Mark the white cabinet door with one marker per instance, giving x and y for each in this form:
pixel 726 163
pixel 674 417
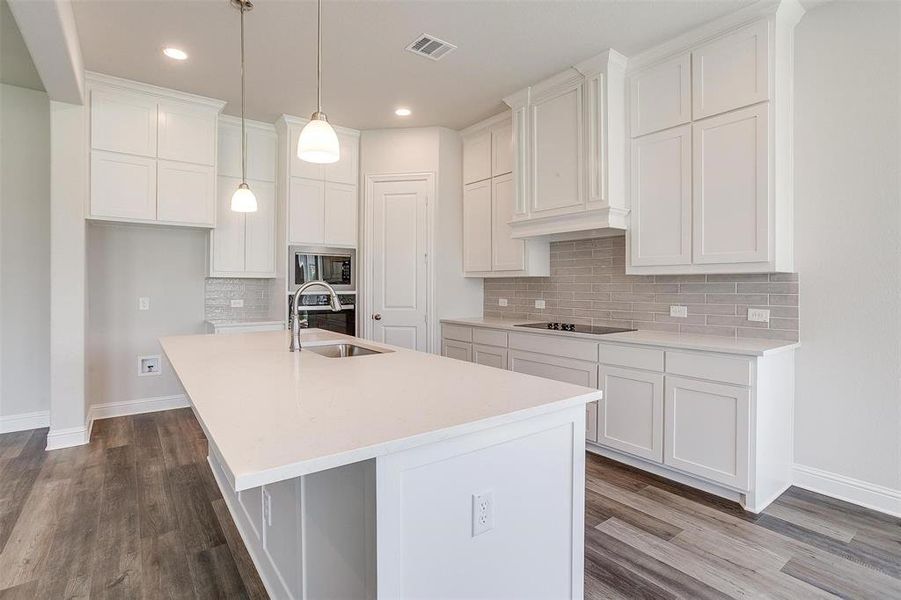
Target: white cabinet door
pixel 491 356
pixel 732 71
pixel 708 430
pixel 123 185
pixel 228 236
pixel 477 157
pixel 630 416
pixel 262 148
pixel 259 232
pixel 228 162
pixel 282 539
pixel 477 226
pixel 660 232
pixel 591 421
pixel 122 122
pixel 340 214
pixel 346 169
pixel 568 370
pixel 302 168
pixel 508 253
pixel 731 196
pixel 557 152
pixel 660 96
pixel 306 211
pixel 455 349
pixel 502 149
pixel 187 133
pixel 186 193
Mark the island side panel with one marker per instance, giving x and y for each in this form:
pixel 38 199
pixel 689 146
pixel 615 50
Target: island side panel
pixel 533 474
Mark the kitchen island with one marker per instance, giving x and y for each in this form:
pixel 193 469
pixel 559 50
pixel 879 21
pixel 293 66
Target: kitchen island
pixel 395 474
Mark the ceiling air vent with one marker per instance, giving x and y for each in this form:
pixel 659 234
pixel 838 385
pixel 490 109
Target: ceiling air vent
pixel 430 47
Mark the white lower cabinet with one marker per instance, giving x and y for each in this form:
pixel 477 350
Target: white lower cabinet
pixel 630 415
pixel 707 430
pixel 455 349
pixel 591 421
pixel 282 532
pixel 569 370
pixel 490 356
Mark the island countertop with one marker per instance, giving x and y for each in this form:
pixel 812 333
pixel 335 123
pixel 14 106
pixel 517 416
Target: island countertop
pixel 272 415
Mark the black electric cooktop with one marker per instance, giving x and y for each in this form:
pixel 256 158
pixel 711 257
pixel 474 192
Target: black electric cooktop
pixel 592 329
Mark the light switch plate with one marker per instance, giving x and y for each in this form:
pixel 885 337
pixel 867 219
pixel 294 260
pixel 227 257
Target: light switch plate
pixel 239 303
pixel 759 315
pixel 678 311
pixel 144 303
pixel 539 304
pixel 502 302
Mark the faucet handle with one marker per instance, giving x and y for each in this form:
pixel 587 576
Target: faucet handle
pixel 303 323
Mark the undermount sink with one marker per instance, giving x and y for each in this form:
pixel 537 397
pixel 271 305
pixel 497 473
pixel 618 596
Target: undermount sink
pixel 342 350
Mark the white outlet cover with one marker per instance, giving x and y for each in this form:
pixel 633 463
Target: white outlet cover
pixel 482 512
pixel 678 311
pixel 149 365
pixel 502 302
pixel 239 303
pixel 144 303
pixel 539 304
pixel 759 315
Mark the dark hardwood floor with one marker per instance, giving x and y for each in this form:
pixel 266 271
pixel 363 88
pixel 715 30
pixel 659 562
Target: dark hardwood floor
pixel 136 513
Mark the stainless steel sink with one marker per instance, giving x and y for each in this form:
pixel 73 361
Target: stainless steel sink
pixel 342 350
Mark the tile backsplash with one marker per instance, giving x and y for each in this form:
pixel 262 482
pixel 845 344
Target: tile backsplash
pixel 221 291
pixel 589 285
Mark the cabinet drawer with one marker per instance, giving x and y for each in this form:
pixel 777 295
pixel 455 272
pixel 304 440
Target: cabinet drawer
pixel 649 359
pixel 567 370
pixel 555 346
pixel 459 350
pixel 489 337
pixel 457 332
pixel 714 368
pixel 490 356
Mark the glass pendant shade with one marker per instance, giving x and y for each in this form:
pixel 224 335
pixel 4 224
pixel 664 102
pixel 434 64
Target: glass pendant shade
pixel 318 142
pixel 243 199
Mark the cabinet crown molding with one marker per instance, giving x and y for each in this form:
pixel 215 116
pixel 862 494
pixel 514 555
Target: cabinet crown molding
pixel 485 123
pixel 288 121
pixel 601 63
pixel 94 79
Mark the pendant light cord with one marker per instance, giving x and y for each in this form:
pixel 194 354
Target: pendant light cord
pixel 319 56
pixel 243 132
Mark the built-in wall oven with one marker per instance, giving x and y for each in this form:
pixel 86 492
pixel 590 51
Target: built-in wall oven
pixel 315 309
pixel 335 266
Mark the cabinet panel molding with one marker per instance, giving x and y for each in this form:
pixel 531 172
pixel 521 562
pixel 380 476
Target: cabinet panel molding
pixel 477 226
pixel 123 186
pixel 186 193
pixel 630 415
pixel 123 122
pixel 660 96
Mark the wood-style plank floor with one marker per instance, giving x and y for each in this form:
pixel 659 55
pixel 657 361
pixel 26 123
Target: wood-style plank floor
pixel 136 513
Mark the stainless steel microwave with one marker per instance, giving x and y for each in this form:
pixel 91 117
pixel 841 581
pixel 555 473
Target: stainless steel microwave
pixel 335 266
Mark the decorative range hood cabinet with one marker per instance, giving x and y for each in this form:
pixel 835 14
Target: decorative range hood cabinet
pixel 569 152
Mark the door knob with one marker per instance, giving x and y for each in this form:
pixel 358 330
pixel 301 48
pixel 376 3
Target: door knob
pixel 377 317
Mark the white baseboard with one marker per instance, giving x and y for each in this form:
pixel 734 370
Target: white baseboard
pixel 855 491
pixel 24 421
pixel 68 437
pixel 137 407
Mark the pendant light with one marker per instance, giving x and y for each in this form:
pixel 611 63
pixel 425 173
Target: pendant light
pixel 243 199
pixel 318 142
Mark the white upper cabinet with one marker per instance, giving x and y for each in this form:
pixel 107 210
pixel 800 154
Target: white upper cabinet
pixel 243 244
pixel 661 198
pixel 568 152
pixel 731 212
pixel 477 156
pixel 732 71
pixel 489 248
pixel 660 96
pixel 726 206
pixel 322 200
pixel 187 133
pixel 152 153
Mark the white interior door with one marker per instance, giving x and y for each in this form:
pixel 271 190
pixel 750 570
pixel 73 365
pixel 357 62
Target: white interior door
pixel 398 243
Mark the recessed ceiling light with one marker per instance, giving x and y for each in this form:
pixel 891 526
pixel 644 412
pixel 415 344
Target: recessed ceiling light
pixel 175 53
pixel 403 112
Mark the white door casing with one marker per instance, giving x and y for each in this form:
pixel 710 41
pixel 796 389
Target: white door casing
pixel 397 249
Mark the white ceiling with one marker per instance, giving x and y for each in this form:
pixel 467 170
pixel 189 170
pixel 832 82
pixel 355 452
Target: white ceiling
pixel 503 46
pixel 16 67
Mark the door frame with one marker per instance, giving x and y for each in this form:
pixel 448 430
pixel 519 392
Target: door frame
pixel 364 299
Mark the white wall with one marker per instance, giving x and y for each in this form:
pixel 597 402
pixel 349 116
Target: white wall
pixel 848 240
pixel 168 265
pixel 24 251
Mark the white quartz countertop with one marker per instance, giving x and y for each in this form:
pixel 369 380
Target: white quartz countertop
pixel 271 414
pixel 646 337
pixel 244 322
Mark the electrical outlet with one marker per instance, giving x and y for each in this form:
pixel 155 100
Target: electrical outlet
pixel 760 315
pixel 148 365
pixel 678 311
pixel 267 507
pixel 502 302
pixel 482 512
pixel 144 303
pixel 539 304
pixel 239 303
